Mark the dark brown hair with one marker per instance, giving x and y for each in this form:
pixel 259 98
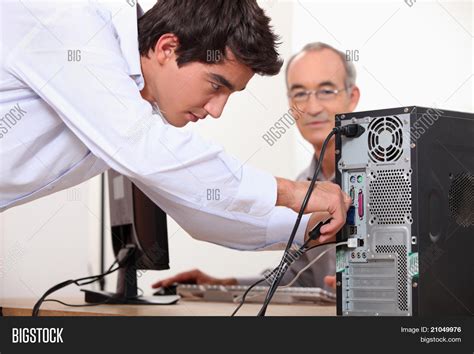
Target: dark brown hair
pixel 205 28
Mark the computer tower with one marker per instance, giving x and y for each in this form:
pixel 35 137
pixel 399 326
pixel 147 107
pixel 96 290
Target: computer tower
pixel 411 177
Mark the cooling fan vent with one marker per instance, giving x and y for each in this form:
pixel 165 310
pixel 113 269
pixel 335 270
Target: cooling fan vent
pixel 385 139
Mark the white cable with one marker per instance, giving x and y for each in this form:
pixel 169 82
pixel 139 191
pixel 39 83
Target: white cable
pixel 312 262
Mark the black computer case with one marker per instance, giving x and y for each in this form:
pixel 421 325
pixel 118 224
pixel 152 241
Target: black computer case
pixel 413 213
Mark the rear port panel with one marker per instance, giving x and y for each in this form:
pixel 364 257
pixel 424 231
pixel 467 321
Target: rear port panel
pixel 355 184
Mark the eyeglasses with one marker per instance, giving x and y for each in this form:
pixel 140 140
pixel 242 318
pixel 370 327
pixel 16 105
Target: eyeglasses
pixel 302 96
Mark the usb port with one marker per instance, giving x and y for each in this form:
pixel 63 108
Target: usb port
pixel 352 230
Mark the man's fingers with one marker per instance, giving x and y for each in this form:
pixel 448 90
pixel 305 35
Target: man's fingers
pixel 157 284
pixel 184 277
pixel 165 282
pixel 347 200
pixel 330 280
pixel 327 238
pixel 336 202
pixel 336 223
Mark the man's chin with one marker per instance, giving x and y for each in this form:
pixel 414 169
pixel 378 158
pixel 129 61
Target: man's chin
pixel 176 122
pixel 181 124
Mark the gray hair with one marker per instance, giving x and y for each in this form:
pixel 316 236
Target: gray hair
pixel 349 66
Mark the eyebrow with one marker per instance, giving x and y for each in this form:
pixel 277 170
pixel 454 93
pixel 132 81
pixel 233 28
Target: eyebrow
pixel 324 83
pixel 223 81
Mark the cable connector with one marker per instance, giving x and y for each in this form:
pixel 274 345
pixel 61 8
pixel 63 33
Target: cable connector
pixel 352 130
pixel 316 231
pixel 352 242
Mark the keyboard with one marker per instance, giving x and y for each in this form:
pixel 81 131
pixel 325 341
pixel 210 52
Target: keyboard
pixel 234 293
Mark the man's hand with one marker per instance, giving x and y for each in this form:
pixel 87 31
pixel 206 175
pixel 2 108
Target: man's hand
pixel 326 197
pixel 330 280
pixel 315 219
pixel 194 276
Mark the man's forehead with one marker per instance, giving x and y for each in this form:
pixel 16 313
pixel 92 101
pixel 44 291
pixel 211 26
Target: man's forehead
pixel 316 67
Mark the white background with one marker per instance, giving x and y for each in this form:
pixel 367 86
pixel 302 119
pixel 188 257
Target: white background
pixel 408 55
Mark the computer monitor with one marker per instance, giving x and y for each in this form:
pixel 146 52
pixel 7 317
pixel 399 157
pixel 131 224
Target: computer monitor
pixel 139 226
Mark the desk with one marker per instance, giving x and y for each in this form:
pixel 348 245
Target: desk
pixel 22 307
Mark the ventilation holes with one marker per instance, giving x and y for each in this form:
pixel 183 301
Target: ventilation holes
pixel 390 198
pixel 402 279
pixel 461 199
pixel 385 139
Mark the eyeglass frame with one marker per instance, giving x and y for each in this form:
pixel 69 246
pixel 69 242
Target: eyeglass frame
pixel 316 92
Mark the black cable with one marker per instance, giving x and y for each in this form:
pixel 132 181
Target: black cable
pixel 244 296
pixel 94 304
pixel 351 131
pixel 77 305
pixel 282 273
pixel 302 248
pixel 277 280
pixel 78 282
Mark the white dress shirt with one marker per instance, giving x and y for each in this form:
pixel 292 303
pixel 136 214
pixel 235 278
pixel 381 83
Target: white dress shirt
pixel 70 104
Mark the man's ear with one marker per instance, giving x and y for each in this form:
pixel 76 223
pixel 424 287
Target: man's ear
pixel 355 96
pixel 165 48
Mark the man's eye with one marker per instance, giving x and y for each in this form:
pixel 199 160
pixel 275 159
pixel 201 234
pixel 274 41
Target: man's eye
pixel 300 94
pixel 215 86
pixel 326 92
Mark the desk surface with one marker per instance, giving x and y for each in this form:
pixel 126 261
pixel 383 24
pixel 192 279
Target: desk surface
pixel 22 307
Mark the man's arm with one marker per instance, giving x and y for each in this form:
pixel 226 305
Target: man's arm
pixel 102 106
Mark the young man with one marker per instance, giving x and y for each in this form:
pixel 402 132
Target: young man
pixel 320 84
pixel 81 94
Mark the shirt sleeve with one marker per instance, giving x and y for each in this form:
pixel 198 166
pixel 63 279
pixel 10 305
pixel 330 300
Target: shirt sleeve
pixel 209 193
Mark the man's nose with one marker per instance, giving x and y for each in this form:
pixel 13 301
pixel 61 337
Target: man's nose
pixel 215 106
pixel 313 106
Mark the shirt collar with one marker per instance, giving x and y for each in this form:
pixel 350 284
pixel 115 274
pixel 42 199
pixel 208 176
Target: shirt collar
pixel 125 20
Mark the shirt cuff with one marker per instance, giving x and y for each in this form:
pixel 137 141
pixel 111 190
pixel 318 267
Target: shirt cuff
pixel 281 224
pixel 257 193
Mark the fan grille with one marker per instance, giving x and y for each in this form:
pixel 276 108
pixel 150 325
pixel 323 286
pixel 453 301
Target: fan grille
pixel 385 139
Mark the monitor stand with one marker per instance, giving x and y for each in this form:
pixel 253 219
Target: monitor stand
pixel 127 291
